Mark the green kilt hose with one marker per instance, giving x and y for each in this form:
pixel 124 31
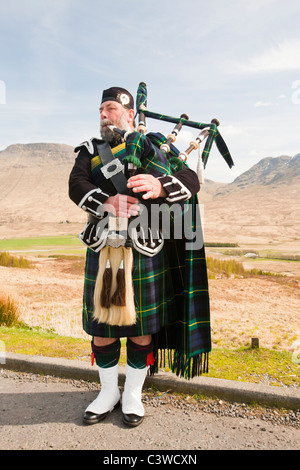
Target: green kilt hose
pixel 170 288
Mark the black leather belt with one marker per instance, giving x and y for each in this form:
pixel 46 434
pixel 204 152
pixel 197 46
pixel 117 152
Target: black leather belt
pixel 112 168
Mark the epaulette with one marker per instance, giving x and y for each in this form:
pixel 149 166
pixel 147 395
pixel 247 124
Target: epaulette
pixel 89 145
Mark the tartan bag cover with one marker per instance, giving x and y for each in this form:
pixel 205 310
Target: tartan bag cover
pixel 171 288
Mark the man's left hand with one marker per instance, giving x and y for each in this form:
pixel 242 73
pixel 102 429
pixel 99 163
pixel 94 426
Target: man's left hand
pixel 148 184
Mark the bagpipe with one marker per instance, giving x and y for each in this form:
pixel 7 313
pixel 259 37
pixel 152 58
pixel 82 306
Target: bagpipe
pixel 207 131
pixel 113 295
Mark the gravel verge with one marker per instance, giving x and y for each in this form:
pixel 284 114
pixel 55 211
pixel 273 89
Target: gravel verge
pixel 186 403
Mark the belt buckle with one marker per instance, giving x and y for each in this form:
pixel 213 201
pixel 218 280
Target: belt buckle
pixel 112 168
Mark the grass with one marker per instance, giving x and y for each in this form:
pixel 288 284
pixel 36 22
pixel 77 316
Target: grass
pixel 232 267
pixel 10 261
pixel 242 364
pixel 262 255
pixel 34 341
pixel 27 243
pixel 252 365
pixel 225 267
pixel 9 314
pixel 64 244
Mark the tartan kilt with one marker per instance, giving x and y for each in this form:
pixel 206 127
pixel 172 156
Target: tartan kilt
pixel 172 304
pixel 153 291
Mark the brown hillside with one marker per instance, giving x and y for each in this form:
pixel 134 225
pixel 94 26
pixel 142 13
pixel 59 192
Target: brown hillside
pixel 261 206
pixel 34 190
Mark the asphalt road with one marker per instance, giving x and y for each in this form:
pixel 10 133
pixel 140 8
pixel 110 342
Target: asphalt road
pixel 41 414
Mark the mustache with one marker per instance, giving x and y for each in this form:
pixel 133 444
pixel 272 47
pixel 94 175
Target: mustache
pixel 106 122
pixel 108 134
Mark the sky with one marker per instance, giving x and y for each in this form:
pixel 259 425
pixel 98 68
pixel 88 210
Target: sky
pixel 235 60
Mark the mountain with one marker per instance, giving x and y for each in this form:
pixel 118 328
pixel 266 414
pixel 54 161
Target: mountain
pixel 268 172
pixel 262 204
pixel 39 154
pixel 34 189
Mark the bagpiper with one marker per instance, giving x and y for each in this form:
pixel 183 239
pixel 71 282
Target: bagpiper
pixel 142 282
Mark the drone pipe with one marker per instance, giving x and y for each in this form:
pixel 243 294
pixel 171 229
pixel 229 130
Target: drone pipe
pixel 184 122
pixel 141 128
pixel 194 144
pixel 165 147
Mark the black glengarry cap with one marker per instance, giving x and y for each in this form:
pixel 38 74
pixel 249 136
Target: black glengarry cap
pixel 120 95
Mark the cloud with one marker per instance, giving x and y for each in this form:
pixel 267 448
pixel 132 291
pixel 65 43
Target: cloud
pixel 258 104
pixel 282 57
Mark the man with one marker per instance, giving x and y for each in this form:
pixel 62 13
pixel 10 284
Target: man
pixel 154 287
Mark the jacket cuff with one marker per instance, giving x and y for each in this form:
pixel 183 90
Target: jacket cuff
pixel 92 202
pixel 175 189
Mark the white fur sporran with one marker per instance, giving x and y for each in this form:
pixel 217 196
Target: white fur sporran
pixel 113 294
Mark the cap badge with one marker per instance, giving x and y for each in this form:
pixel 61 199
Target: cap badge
pixel 124 99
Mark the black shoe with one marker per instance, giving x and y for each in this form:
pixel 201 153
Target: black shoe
pixel 92 418
pixel 132 420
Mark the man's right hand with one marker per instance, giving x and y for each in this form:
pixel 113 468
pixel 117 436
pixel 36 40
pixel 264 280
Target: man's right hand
pixel 121 205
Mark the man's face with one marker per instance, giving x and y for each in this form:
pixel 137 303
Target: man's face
pixel 113 113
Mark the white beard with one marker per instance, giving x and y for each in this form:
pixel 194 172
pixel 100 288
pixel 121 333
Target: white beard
pixel 109 135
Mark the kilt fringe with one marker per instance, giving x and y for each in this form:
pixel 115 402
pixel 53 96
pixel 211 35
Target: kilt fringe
pixel 180 364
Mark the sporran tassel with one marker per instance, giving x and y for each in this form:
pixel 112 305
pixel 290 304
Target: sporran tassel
pixel 115 261
pixel 114 294
pixel 119 296
pixel 106 288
